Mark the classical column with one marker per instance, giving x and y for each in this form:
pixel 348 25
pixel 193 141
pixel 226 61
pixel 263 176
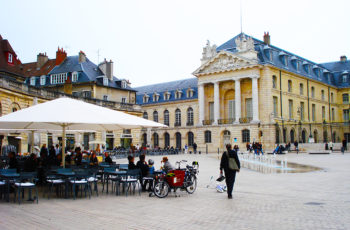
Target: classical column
pixel 216 102
pixel 255 99
pixel 201 103
pixel 237 100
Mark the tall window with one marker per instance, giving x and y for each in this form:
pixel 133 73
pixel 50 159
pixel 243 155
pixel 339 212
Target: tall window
pixel 345 77
pixel 290 86
pixel 312 92
pixel 166 117
pixel 123 100
pixel 42 80
pixel 74 77
pixel 332 98
pixel 345 98
pixel 190 93
pixel 290 102
pixel 231 109
pixel 322 95
pixel 323 113
pixel 155 139
pixel 274 82
pixel 58 78
pixel 275 106
pixel 245 135
pixel 190 116
pixel 10 58
pixel 145 115
pixel 211 110
pixel 32 81
pixel 346 115
pixel 190 139
pixel 178 94
pixel 249 107
pixel 105 81
pixel 155 116
pixel 167 96
pixel 105 97
pixel 333 114
pixel 155 97
pixel 313 112
pixel 166 140
pixel 301 89
pixel 145 98
pixel 207 136
pixel 177 117
pixel 87 94
pixel 302 111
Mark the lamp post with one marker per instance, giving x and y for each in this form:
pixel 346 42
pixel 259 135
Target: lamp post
pixel 299 112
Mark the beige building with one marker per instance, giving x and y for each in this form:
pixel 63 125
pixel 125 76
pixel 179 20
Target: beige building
pixel 247 90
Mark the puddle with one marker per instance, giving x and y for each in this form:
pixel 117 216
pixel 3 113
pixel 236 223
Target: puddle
pixel 266 164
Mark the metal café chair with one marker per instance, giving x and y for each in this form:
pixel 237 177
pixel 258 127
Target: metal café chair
pixel 26 180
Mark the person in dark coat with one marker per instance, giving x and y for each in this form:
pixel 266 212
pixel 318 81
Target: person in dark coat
pixel 108 158
pixel 131 160
pixel 229 173
pixel 78 156
pixel 31 163
pixel 142 165
pixel 13 163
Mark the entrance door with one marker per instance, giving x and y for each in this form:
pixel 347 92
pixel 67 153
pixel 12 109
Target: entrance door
pixel 178 140
pixel 227 138
pixel 303 136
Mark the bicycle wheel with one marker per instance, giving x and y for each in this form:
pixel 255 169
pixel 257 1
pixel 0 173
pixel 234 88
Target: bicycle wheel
pixel 192 184
pixel 161 189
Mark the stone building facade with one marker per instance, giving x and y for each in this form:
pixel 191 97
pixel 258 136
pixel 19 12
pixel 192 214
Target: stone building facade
pixel 247 90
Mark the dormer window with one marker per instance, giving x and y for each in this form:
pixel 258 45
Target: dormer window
pixel 284 58
pixel 190 93
pixel 268 52
pixel 306 67
pixel 123 84
pixel 178 94
pixel 42 80
pixel 145 98
pixel 155 97
pixel 105 81
pixel 74 77
pixel 345 76
pixel 296 63
pixel 32 81
pixel 167 96
pixel 10 58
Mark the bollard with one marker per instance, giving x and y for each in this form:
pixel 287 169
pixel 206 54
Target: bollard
pixel 206 149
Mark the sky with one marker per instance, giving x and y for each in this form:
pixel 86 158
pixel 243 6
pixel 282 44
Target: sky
pixel 153 41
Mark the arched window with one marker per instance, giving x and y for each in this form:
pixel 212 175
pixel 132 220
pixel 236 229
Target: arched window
pixel 207 136
pixel 292 133
pixel 166 140
pixel 332 97
pixel 322 95
pixel 274 82
pixel 290 86
pixel 325 136
pixel 178 140
pixel 301 89
pixel 166 117
pixel 145 115
pixel 155 116
pixel 144 139
pixel 189 116
pixel 245 135
pixel 177 117
pixel 190 138
pixel 155 140
pixel 313 92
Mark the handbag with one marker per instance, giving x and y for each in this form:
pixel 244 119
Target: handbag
pixel 232 164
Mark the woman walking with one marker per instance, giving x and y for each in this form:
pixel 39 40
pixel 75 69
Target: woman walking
pixel 230 164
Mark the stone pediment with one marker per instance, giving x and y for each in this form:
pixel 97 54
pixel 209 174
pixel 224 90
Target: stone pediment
pixel 224 61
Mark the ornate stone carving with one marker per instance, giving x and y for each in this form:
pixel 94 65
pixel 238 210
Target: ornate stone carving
pixel 244 43
pixel 208 52
pixel 225 62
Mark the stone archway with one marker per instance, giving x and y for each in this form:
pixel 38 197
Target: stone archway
pixel 178 140
pixel 226 138
pixel 303 136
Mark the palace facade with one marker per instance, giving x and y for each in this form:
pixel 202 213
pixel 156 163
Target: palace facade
pixel 249 90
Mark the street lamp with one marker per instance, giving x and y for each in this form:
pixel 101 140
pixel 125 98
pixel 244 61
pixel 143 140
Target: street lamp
pixel 299 112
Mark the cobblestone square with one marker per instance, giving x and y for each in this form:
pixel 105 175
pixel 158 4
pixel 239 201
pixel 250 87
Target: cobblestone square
pixel 314 200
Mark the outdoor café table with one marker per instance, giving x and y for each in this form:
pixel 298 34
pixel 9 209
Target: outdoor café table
pixel 113 173
pixel 8 177
pixel 66 176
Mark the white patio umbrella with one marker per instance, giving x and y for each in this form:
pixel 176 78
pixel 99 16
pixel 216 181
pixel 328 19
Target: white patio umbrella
pixel 71 114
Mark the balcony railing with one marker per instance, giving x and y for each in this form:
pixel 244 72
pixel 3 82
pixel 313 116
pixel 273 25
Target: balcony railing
pixel 207 122
pixel 245 119
pixel 225 121
pixel 177 124
pixel 189 123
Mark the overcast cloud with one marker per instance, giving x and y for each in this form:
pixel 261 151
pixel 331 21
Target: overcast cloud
pixel 158 41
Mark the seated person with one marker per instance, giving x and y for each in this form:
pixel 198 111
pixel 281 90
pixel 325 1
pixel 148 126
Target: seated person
pixel 108 159
pixel 78 156
pixel 13 163
pixel 30 164
pixel 142 165
pixel 167 166
pixel 131 162
pixel 150 167
pixel 93 159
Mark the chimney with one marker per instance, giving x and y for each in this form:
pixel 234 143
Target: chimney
pixel 60 56
pixel 41 60
pixel 107 68
pixel 343 58
pixel 267 38
pixel 82 57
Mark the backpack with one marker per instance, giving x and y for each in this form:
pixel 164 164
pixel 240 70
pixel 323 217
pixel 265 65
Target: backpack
pixel 232 164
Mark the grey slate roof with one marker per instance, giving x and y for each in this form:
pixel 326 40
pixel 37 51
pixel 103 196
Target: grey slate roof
pixel 329 73
pixel 170 87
